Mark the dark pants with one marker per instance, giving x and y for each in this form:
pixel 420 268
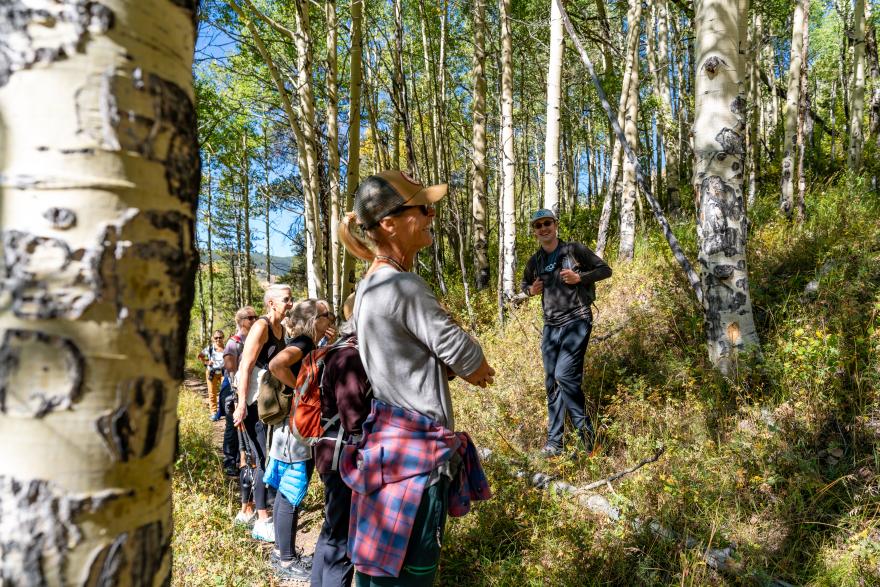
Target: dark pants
pixel 230 436
pixel 563 349
pixel 285 516
pixel 331 566
pixel 256 442
pixel 423 550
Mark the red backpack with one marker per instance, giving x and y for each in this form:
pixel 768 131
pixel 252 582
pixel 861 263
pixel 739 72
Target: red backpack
pixel 306 423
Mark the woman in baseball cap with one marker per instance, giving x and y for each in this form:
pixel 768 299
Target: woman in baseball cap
pixel 409 346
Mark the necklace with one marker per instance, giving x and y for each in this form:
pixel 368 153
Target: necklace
pixel 392 262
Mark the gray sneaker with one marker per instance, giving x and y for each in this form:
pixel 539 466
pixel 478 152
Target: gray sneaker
pixel 551 450
pixel 293 570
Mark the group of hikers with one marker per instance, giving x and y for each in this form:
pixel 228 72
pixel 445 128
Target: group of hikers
pixel 391 464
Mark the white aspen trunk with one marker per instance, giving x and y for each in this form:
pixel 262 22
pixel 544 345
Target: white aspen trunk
pixel 432 75
pixel 354 135
pixel 333 156
pixel 629 192
pixel 478 178
pixel 667 120
pixel 857 110
pixel 802 115
pixel 100 171
pixel 554 95
pixel 792 104
pixel 209 222
pixel 507 167
pixel 246 217
pixel 315 270
pixel 755 107
pixel 719 125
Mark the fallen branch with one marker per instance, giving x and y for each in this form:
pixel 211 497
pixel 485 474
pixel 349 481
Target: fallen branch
pixel 619 474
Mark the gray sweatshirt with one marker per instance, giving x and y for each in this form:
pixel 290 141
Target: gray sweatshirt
pixel 406 340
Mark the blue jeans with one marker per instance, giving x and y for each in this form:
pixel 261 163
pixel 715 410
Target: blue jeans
pixel 563 349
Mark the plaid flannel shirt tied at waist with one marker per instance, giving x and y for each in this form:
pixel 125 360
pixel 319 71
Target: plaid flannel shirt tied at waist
pixel 388 472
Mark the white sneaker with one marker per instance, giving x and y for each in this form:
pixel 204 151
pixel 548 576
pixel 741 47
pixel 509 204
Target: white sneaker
pixel 243 519
pixel 264 530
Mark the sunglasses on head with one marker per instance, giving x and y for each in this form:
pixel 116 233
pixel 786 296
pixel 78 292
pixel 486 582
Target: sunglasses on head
pixel 543 224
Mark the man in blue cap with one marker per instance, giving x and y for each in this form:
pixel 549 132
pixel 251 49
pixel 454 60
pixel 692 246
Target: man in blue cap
pixel 564 273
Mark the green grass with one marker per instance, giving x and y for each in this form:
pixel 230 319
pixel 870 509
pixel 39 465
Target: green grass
pixel 781 462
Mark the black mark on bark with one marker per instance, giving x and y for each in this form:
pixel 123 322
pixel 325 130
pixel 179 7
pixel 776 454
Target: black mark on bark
pixel 140 553
pixel 133 429
pixel 45 531
pixel 73 21
pixel 60 218
pixel 719 206
pixel 731 141
pixel 39 373
pixel 712 64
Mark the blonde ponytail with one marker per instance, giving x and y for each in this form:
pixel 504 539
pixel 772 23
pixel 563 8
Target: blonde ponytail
pixel 357 245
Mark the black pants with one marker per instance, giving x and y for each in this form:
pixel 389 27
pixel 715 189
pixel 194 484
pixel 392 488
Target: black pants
pixel 230 436
pixel 563 349
pixel 256 442
pixel 331 566
pixel 286 519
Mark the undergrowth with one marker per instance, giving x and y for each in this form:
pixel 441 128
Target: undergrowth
pixel 779 464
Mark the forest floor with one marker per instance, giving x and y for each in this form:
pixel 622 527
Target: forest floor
pixel 208 550
pixel 774 472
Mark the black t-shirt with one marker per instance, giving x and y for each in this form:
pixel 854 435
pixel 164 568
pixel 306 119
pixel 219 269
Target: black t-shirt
pixel 561 302
pixel 304 343
pixel 271 347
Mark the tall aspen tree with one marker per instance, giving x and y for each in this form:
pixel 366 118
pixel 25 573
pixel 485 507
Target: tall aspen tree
pixel 507 221
pixel 719 125
pixel 333 155
pixel 629 192
pixel 792 105
pixel 478 185
pixel 857 110
pixel 669 131
pixel 554 95
pixel 800 202
pixel 314 231
pixel 100 176
pixel 354 134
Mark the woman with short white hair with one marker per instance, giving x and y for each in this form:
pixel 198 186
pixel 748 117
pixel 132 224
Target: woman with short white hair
pixel 264 341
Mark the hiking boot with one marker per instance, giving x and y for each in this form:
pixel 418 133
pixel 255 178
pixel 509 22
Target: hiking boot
pixel 293 570
pixel 551 450
pixel 243 519
pixel 264 530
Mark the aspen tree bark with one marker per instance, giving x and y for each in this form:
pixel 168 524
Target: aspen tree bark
pixel 267 196
pixel 431 73
pixel 354 136
pixel 629 192
pixel 792 105
pixel 719 125
pixel 246 217
pixel 554 95
pixel 99 178
pixel 857 110
pixel 314 232
pixel 802 115
pixel 667 120
pixel 478 185
pixel 508 227
pixel 874 64
pixel 333 155
pixel 755 107
pixel 400 94
pixel 209 222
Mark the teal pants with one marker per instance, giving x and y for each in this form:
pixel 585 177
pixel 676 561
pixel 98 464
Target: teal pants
pixel 423 551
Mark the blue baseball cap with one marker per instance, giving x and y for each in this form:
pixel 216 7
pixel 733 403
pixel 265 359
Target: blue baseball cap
pixel 542 213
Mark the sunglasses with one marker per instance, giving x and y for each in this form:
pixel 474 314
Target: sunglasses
pixel 543 224
pixel 249 318
pixel 327 315
pixel 285 299
pixel 218 338
pixel 425 208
